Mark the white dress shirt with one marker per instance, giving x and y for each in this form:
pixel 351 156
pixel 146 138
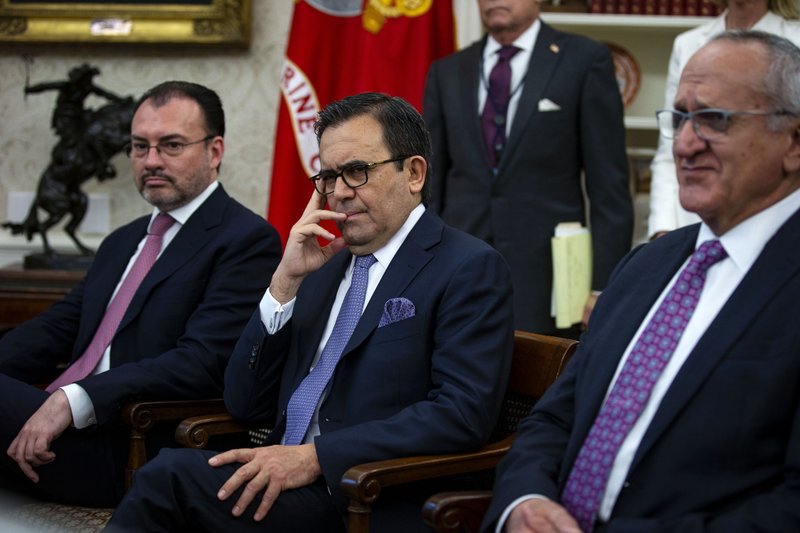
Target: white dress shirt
pixel 519 68
pixel 744 244
pixel 79 402
pixel 274 315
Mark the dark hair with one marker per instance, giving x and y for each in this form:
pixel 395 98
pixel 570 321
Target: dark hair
pixel 404 131
pixel 208 100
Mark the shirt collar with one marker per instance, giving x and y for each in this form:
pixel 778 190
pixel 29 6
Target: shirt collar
pixel 524 42
pixel 745 241
pixel 386 253
pixel 182 214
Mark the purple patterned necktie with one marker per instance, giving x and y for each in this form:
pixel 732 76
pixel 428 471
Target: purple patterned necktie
pixel 305 398
pixel 587 481
pixel 495 110
pixel 84 365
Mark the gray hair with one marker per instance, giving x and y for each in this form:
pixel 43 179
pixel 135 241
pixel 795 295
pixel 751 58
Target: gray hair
pixel 781 84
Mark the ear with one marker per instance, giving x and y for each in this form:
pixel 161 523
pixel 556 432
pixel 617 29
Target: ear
pixel 417 168
pixel 217 146
pixel 791 160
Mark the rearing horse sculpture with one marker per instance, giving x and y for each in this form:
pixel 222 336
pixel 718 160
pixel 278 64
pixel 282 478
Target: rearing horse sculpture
pixel 89 138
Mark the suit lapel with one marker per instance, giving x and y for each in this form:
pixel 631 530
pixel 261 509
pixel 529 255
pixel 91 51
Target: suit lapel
pixel 626 317
pixel 410 259
pixel 778 262
pixel 466 85
pixel 544 59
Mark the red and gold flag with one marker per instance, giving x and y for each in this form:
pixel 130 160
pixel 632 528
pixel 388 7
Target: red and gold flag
pixel 338 48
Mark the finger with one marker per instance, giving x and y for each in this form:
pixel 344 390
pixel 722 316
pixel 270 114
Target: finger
pixel 241 455
pixel 317 201
pixel 249 492
pixel 28 470
pixel 270 495
pixel 242 475
pixel 334 247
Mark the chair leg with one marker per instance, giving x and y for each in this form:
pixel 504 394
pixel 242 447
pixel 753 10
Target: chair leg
pixel 358 517
pixel 137 456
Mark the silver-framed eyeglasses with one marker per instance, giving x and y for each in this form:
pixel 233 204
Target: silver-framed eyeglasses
pixel 354 175
pixel 708 124
pixel 140 149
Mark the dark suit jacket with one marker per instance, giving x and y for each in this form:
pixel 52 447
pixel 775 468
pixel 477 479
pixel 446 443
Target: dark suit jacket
pixel 180 328
pixel 723 451
pixel 538 183
pixel 432 383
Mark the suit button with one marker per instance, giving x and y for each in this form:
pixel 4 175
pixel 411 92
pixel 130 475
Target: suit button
pixel 251 363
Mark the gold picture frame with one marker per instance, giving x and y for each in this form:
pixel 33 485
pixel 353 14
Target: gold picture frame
pixel 201 22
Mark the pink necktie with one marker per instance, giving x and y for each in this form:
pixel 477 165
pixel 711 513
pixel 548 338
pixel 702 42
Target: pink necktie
pixel 84 365
pixel 495 110
pixel 587 480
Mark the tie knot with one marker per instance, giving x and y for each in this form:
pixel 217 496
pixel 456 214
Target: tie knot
pixel 707 254
pixel 161 224
pixel 507 52
pixel 365 261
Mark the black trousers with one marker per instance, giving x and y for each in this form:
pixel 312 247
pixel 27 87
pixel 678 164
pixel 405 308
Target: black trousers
pixel 177 492
pixel 89 467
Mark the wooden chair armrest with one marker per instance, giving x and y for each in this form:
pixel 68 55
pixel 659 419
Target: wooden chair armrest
pixel 194 432
pixel 362 484
pixel 142 416
pixel 456 512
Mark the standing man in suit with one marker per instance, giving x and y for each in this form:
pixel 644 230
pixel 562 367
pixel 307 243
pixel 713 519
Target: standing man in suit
pixel 156 316
pixel 423 372
pixel 508 170
pixel 681 410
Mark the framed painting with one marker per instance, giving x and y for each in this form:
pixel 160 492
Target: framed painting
pixel 201 22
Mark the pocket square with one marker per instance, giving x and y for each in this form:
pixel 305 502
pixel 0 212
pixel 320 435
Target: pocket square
pixel 396 309
pixel 545 104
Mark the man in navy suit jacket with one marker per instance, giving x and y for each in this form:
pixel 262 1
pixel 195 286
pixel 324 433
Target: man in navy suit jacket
pixel 424 371
pixel 717 446
pixel 178 331
pixel 564 127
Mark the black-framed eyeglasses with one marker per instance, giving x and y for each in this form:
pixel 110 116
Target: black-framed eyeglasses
pixel 140 149
pixel 708 124
pixel 354 175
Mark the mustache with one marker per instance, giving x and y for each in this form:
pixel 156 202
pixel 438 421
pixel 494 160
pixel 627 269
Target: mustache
pixel 157 174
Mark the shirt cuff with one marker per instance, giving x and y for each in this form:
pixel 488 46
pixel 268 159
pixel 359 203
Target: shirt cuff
pixel 81 406
pixel 274 315
pixel 501 523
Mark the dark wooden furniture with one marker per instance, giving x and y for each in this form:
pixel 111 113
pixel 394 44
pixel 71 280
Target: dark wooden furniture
pixel 537 362
pixel 26 293
pixel 456 512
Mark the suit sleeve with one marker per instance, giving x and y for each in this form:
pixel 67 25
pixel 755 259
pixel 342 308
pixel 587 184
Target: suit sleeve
pixel 434 119
pixel 241 266
pixel 605 166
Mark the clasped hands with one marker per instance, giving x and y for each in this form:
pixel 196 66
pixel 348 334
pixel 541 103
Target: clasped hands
pixel 276 468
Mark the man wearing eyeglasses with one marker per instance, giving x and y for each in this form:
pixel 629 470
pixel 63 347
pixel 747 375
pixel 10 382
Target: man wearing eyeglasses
pixel 156 316
pixel 421 369
pixel 681 409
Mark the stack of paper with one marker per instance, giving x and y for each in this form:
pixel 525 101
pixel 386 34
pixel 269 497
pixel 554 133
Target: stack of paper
pixel 572 272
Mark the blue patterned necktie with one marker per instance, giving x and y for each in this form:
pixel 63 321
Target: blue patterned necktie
pixel 305 398
pixel 587 480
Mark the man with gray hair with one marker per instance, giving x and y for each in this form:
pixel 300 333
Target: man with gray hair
pixel 681 410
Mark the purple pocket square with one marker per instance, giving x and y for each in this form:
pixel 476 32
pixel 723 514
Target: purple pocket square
pixel 396 309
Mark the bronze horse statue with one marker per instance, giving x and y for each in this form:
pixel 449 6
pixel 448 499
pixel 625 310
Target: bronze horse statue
pixel 89 139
